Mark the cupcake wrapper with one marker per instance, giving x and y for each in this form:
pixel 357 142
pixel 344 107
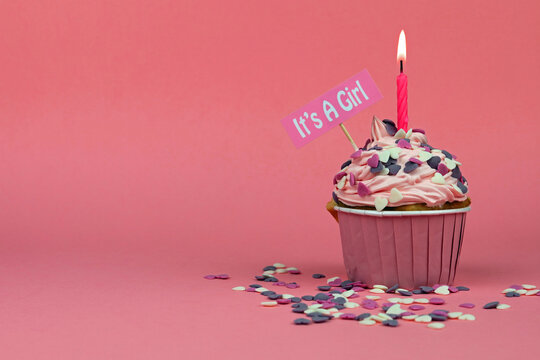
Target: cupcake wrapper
pixel 410 251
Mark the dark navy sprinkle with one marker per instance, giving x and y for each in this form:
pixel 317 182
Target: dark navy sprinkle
pixel 335 198
pixel 320 319
pixel 377 169
pixel 375 148
pixel 410 166
pixel 266 293
pixel 366 144
pixel 417 291
pixel 324 287
pixel 392 288
pixel 299 310
pixel 318 276
pixel 345 164
pixel 405 292
pixel 299 306
pixel 385 307
pixel 463 180
pixel 394 316
pixel 302 321
pixel 334 292
pixel 427 145
pixel 393 169
pixel 462 288
pixel 321 296
pixel 363 316
pixel 516 294
pixel 346 283
pixel 509 294
pixel 255 286
pixel 260 277
pixel 491 305
pixel 426 289
pixel 269 268
pixel 434 162
pixel 447 154
pixel 295 299
pixel 462 187
pixel 274 296
pixel 339 300
pixel 436 317
pixel 389 122
pixel 391 323
pixel 339 306
pixel 271 279
pixel 456 173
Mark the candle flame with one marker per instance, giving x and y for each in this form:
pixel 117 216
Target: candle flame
pixel 402 47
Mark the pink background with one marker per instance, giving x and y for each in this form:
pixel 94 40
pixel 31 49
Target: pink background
pixel 141 148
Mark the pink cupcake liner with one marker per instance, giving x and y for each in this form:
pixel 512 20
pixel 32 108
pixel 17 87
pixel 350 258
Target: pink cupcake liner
pixel 409 248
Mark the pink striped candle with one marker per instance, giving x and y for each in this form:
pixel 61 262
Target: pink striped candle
pixel 402 116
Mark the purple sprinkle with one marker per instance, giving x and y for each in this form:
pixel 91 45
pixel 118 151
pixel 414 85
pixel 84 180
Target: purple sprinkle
pixel 375 148
pixel 281 283
pixel 447 154
pixel 328 305
pixel 250 289
pixel 517 287
pixel 390 127
pixel 377 169
pixel 338 176
pixel 291 286
pixel 336 282
pixel 210 277
pixel 404 144
pixel 440 313
pixel 352 179
pixel 373 161
pixel 345 164
pixel 295 272
pixel 415 160
pixel 442 168
pixel 467 305
pixel 456 173
pixel 222 276
pixel 388 304
pixel 348 316
pixel 436 301
pixel 407 313
pixel 363 189
pixel 416 307
pixel 283 301
pixel 356 154
pixel 358 288
pixel 462 187
pixel 453 289
pixel 410 166
pixel 419 131
pixel 491 305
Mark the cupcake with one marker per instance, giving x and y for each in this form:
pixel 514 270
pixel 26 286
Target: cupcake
pixel 401 205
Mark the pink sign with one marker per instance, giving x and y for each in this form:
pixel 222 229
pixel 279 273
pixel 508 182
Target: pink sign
pixel 332 108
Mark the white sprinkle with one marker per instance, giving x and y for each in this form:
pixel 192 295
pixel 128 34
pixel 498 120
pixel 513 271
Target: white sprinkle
pixel 528 287
pixel 394 300
pixel 333 310
pixel 395 196
pixel 338 314
pixel 384 155
pixel 341 182
pixel 315 306
pixel 521 291
pixel 400 134
pixel 442 290
pixel 400 289
pixel 239 288
pixel 291 268
pixel 409 317
pixel 332 279
pixel 367 322
pixel 373 297
pixel 394 152
pixel 454 314
pixel 450 164
pixel 380 204
pixel 384 316
pixel 269 303
pixel 279 265
pixel 351 305
pixel 287 296
pixel 503 306
pixel 261 289
pixel 507 290
pixel 395 309
pixel 438 179
pixel 532 292
pixel 347 293
pixel 377 318
pixel 383 287
pixel 421 301
pixel 423 318
pixel 406 301
pixel 424 155
pixel 408 134
pixel 436 325
pixel 377 291
pixel 469 317
pixel 269 272
pixel 281 271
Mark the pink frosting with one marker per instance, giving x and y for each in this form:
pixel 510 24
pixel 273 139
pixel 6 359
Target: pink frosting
pixel 416 187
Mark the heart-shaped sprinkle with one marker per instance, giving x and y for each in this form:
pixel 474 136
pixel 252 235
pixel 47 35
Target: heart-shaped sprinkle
pixel 400 134
pixel 391 128
pixel 410 166
pixel 451 164
pixel 393 169
pixel 415 160
pixel 434 162
pixel 438 179
pixel 373 161
pixel 380 204
pixel 335 198
pixel 341 182
pixel 442 169
pixel 457 188
pixel 366 144
pixel 363 189
pixel 462 187
pixel 424 155
pixel 375 148
pixel 377 169
pixel 404 144
pixel 384 155
pixel 384 171
pixel 352 179
pixel 427 145
pixel 408 134
pixel 356 154
pixel 419 131
pixel 456 173
pixel 345 164
pixel 447 154
pixel 338 176
pixel 394 152
pixel 389 122
pixel 395 195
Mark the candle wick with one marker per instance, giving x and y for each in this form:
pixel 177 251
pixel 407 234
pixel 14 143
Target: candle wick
pixel 401 66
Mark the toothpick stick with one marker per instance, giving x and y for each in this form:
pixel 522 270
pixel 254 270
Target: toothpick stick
pixel 348 136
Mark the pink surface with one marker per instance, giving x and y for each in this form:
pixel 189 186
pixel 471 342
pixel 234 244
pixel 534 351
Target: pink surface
pixel 331 108
pixel 138 155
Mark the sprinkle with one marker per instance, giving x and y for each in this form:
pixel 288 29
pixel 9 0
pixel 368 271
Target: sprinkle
pixel 416 307
pixel 453 289
pixel 380 204
pixel 532 292
pixel 239 288
pixel 338 176
pixel 210 277
pixel 462 187
pixel 367 322
pixel 336 282
pixel 405 292
pixel 434 161
pixel 383 287
pixel 324 288
pixel 419 131
pixel 390 127
pixel 463 288
pixel 423 319
pixel 268 292
pixel 491 305
pixel 427 145
pixel 391 323
pixel 345 164
pixel 450 163
pixel 436 326
pixel 454 314
pixel 373 297
pixel 436 301
pixel 307 297
pixel 467 305
pixel 447 154
pixel 268 268
pixel 295 272
pixel 347 316
pixel 410 166
pixel 318 276
pixel 417 291
pixel 393 169
pixel 366 144
pixel 442 168
pixel 356 154
pixel 407 301
pixel 409 133
pixel 438 179
pixel 320 319
pixel 394 152
pixel 373 161
pixel 335 198
pixel 281 271
pixel 302 321
pixel 363 316
pixel 321 296
pixel 503 306
pixel 352 179
pixel 222 276
pixel 409 317
pixel 528 287
pixel 442 290
pixel 415 160
pixel 421 301
pixel 469 317
pixel 269 303
pixel 424 155
pixel 363 189
pixel 395 310
pixel 404 144
pixel 516 287
pixel 377 169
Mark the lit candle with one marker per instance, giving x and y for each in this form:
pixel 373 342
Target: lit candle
pixel 403 117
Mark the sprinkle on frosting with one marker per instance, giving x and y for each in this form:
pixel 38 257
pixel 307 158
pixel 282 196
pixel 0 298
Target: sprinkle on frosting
pixel 400 168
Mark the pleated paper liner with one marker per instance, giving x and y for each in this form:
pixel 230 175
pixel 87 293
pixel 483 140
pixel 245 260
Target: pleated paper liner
pixel 409 248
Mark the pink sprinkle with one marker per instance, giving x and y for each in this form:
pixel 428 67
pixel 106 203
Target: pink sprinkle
pixel 387 304
pixel 222 276
pixel 373 161
pixel 356 154
pixel 348 316
pixel 419 131
pixel 359 283
pixel 442 168
pixel 291 286
pixel 426 148
pixel 416 161
pixel 335 282
pixel 467 305
pixel 407 313
pixel 294 272
pixel 404 144
pixel 436 301
pixel 416 307
pixel 352 179
pixel 453 289
pixel 358 288
pixel 280 283
pixel 283 301
pixel 338 176
pixel 353 296
pixel 210 277
pixel 516 287
pixel 250 289
pixel 328 305
pixel 363 189
pixel 436 286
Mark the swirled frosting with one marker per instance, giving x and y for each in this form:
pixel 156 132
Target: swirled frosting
pixel 397 168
